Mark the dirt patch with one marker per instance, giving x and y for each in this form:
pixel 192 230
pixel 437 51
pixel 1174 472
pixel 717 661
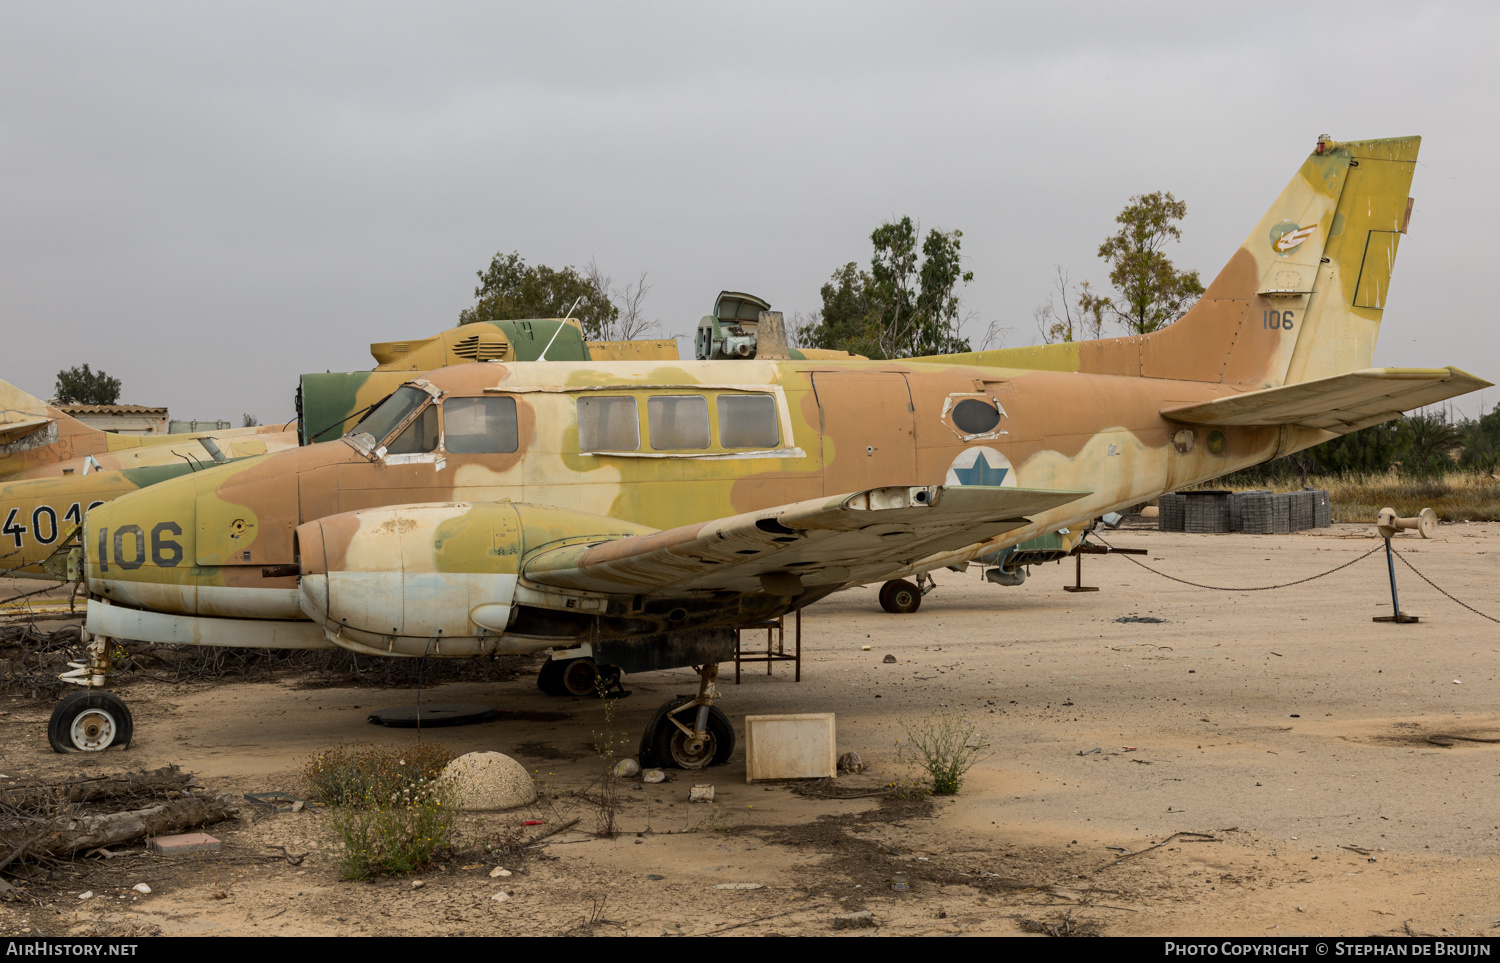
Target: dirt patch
pixel 1284 725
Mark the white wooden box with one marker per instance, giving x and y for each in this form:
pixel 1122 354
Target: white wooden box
pixel 800 746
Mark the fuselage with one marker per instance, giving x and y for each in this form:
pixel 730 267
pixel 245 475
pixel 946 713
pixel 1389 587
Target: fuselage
pixel 664 445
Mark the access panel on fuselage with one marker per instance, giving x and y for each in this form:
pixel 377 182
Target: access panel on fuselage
pixel 866 419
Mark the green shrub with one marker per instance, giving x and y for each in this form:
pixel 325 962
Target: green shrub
pixel 386 804
pixel 946 746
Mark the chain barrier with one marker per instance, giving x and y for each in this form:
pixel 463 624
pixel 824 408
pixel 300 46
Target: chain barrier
pixel 1435 585
pixel 1257 588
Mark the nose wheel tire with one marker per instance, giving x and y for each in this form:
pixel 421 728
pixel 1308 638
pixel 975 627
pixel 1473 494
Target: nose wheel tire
pixel 576 677
pixel 664 744
pixel 900 597
pixel 90 721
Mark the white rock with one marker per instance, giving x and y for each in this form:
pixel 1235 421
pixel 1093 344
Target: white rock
pixel 739 885
pixel 500 897
pixel 142 888
pixel 417 884
pixel 86 895
pixel 626 768
pixel 499 871
pixel 653 775
pixel 489 781
pixel 702 793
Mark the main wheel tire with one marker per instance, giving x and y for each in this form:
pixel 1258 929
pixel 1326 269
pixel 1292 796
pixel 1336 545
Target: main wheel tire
pixel 651 734
pixel 674 748
pixel 89 722
pixel 549 677
pixel 580 677
pixel 900 597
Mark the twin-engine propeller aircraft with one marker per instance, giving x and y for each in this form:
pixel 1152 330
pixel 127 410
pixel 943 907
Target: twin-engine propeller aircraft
pixel 634 513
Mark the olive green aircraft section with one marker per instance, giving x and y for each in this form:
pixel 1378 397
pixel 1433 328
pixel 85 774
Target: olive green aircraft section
pixel 636 512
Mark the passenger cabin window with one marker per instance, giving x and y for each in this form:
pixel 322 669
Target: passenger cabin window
pixel 474 426
pixel 419 437
pixel 748 421
pixel 609 423
pixel 677 421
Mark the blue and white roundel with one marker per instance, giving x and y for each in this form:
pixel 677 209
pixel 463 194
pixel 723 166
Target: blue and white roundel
pixel 981 466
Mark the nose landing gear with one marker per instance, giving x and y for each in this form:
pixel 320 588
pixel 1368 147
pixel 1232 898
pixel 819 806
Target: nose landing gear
pixel 93 719
pixel 577 677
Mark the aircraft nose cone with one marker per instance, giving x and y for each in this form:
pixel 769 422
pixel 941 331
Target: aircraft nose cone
pixel 136 536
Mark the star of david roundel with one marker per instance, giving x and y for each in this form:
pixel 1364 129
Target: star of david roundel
pixel 981 466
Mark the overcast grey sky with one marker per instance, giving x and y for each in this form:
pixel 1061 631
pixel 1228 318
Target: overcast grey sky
pixel 208 199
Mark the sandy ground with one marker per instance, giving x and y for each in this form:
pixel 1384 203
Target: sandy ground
pixel 1285 726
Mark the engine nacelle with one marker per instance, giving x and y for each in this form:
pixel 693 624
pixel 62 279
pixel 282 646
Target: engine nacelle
pixel 434 579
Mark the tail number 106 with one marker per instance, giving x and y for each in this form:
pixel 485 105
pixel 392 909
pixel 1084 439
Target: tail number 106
pixel 1283 320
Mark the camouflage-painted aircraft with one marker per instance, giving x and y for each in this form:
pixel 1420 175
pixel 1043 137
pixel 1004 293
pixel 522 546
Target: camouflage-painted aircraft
pixel 634 513
pixel 54 467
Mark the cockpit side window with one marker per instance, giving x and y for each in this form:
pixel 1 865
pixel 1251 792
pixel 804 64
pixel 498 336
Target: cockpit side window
pixel 391 413
pixel 419 437
pixel 480 425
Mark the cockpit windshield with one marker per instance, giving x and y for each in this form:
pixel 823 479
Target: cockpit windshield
pixel 379 423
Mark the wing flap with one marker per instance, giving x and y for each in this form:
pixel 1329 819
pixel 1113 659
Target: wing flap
pixel 1342 403
pixel 826 541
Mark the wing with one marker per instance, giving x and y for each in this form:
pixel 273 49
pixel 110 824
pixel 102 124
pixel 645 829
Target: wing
pixel 827 541
pixel 1343 403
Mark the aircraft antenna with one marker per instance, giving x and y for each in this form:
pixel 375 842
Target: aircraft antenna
pixel 543 355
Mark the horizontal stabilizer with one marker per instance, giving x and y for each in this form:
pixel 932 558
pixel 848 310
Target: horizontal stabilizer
pixel 1343 403
pixel 13 431
pixel 824 541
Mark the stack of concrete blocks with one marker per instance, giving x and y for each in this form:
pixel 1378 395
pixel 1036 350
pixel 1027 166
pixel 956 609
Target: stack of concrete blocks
pixel 1207 512
pixel 1322 509
pixel 1172 509
pixel 1255 512
pixel 1266 513
pixel 1304 507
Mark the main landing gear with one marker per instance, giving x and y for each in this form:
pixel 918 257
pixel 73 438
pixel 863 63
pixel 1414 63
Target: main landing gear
pixel 93 719
pixel 689 732
pixel 577 677
pixel 900 597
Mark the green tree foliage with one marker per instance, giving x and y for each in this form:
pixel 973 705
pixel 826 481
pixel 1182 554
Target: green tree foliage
pixel 1151 292
pixel 511 290
pixel 904 306
pixel 1422 445
pixel 1482 443
pixel 80 386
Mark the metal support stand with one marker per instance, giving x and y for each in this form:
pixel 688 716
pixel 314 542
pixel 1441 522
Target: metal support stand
pixel 775 646
pixel 1078 585
pixel 1398 616
pixel 1082 550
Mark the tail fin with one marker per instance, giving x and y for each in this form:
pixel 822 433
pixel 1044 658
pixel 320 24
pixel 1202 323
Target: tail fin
pixel 1300 300
pixel 32 431
pixel 1302 297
